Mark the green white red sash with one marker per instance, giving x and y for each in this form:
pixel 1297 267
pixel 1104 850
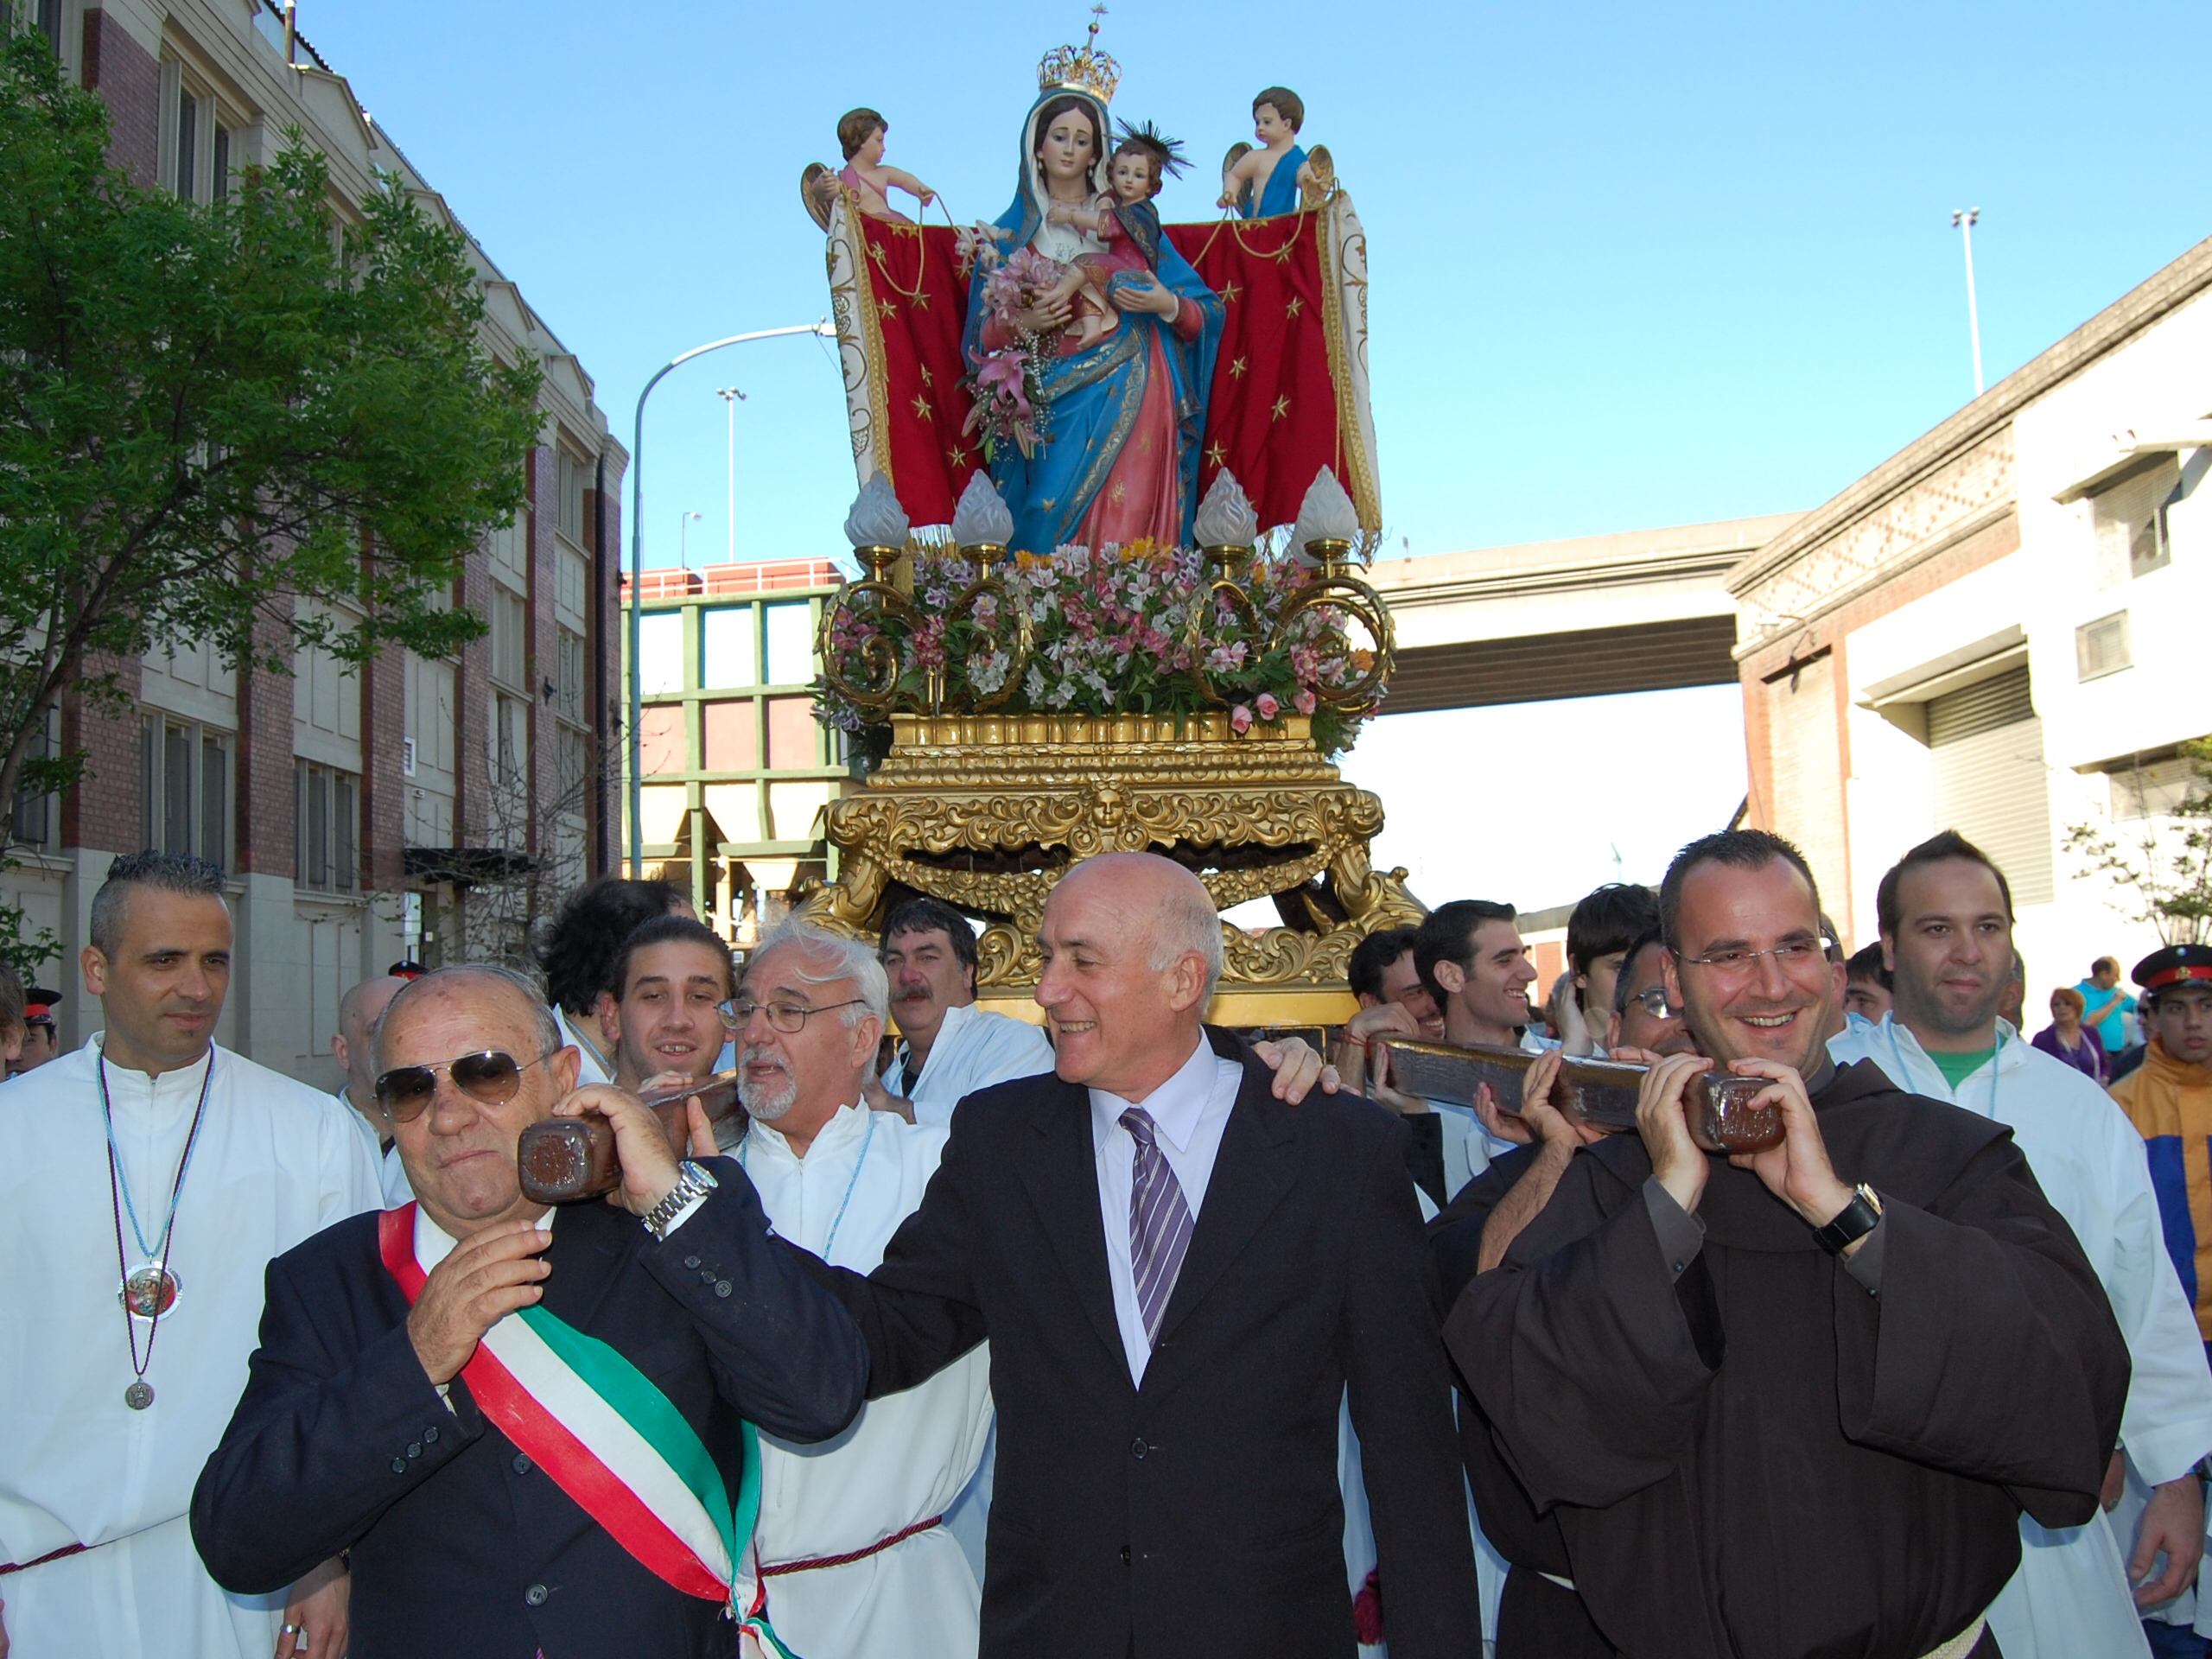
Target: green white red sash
pixel 608 1438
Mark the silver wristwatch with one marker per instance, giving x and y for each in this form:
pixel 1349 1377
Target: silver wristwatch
pixel 692 1182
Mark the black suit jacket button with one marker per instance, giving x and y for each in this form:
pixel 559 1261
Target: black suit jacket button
pixel 1125 1554
pixel 722 1287
pixel 706 1275
pixel 522 1463
pixel 415 1449
pixel 691 1262
pixel 399 1465
pixel 1138 1449
pixel 430 1435
pixel 535 1595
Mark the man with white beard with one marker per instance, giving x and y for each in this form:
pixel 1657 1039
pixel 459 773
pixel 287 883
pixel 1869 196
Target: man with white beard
pixel 852 1544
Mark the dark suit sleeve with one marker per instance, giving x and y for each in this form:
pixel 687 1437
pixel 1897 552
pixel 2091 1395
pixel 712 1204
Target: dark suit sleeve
pixel 1400 1389
pixel 328 1435
pixel 920 1311
pixel 785 1355
pixel 1986 1297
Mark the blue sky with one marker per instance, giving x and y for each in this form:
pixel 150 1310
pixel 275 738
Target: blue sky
pixel 1632 265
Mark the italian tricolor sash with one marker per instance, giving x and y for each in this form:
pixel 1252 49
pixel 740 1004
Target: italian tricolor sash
pixel 608 1438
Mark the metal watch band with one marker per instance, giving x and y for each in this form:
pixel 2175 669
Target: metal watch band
pixel 692 1182
pixel 1856 1220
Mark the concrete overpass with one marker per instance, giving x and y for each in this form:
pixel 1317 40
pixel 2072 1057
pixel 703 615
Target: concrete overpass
pixel 1640 611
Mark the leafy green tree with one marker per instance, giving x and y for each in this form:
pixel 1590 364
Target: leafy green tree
pixel 210 413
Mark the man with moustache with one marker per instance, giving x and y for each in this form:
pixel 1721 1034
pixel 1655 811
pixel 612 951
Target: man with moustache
pixel 528 1428
pixel 1774 1412
pixel 1179 1277
pixel 1946 916
pixel 124 1327
pixel 948 1048
pixel 852 1543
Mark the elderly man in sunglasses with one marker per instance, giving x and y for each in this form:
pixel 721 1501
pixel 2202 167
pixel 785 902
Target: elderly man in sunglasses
pixel 531 1429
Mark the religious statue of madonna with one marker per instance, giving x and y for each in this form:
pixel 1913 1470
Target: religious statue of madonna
pixel 1121 366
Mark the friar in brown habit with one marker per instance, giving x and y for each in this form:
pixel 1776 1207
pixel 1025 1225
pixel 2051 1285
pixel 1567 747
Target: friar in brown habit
pixel 1792 1403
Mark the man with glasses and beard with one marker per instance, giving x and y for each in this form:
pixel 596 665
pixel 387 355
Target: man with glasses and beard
pixel 1793 1400
pixel 1946 916
pixel 528 1426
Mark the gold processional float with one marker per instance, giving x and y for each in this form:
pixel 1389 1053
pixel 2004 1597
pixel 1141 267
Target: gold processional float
pixel 1048 677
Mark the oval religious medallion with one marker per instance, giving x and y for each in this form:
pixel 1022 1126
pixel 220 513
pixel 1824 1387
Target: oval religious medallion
pixel 138 1395
pixel 148 1293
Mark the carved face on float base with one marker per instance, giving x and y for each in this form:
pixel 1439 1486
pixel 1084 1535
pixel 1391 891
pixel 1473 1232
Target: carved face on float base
pixel 1066 150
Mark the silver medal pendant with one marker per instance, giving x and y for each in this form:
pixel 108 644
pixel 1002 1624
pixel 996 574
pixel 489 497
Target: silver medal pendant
pixel 149 1292
pixel 138 1395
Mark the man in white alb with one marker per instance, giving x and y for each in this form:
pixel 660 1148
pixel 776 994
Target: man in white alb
pixel 856 1560
pixel 145 1183
pixel 349 1045
pixel 950 1048
pixel 1946 914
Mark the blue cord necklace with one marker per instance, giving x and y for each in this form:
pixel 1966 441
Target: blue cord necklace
pixel 838 1220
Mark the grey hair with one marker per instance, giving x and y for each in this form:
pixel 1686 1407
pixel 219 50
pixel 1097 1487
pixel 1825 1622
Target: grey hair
pixel 548 1028
pixel 1188 921
pixel 854 961
pixel 170 872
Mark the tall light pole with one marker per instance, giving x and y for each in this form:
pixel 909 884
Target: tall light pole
pixel 824 330
pixel 1964 221
pixel 683 522
pixel 732 397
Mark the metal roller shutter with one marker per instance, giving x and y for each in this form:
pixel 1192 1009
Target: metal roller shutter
pixel 1991 784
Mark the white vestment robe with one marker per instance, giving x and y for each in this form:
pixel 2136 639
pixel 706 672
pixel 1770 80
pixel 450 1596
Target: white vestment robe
pixel 276 1162
pixel 905 1458
pixel 2071 1596
pixel 973 1048
pixel 390 1177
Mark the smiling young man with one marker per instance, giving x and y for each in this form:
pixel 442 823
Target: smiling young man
pixel 526 1426
pixel 670 978
pixel 1946 916
pixel 1792 1402
pixel 948 1047
pixel 1179 1275
pixel 211 1166
pixel 1475 968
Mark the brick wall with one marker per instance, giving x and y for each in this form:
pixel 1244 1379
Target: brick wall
pixel 129 80
pixel 104 812
pixel 268 801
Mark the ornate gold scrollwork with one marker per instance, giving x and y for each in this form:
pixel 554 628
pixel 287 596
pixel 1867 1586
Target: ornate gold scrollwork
pixel 1336 586
pixel 881 693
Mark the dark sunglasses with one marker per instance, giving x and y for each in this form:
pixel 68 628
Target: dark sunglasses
pixel 492 1077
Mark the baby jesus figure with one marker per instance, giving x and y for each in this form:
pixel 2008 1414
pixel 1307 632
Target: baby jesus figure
pixel 1127 222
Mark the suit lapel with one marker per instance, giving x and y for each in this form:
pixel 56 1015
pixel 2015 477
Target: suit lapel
pixel 1059 1167
pixel 1253 1170
pixel 586 1258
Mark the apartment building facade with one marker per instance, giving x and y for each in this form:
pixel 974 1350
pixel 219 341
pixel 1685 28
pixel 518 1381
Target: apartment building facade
pixel 410 807
pixel 1995 631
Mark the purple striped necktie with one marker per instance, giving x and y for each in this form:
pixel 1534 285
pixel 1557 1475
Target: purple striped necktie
pixel 1159 1222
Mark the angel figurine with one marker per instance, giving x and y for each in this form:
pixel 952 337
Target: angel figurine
pixel 1273 179
pixel 859 135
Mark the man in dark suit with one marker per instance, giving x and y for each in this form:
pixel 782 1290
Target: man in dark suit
pixel 371 1426
pixel 1179 1275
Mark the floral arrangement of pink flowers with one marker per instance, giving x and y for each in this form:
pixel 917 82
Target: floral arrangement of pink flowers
pixel 1108 633
pixel 1007 390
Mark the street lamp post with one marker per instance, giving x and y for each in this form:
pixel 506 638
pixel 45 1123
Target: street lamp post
pixel 1964 221
pixel 821 328
pixel 732 397
pixel 683 522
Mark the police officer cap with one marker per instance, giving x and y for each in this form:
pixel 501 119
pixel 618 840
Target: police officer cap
pixel 2174 964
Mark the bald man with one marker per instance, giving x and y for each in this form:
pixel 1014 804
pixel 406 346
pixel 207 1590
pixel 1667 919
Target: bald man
pixel 358 1013
pixel 1179 1276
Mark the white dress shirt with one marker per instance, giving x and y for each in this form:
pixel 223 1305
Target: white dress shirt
pixel 907 1458
pixel 2070 1596
pixel 590 1070
pixel 275 1162
pixel 1188 1112
pixel 975 1048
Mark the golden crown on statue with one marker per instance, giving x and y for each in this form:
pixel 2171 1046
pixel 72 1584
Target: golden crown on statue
pixel 1081 69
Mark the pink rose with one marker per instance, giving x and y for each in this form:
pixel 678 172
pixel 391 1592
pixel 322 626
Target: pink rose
pixel 1305 701
pixel 1266 704
pixel 1240 719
